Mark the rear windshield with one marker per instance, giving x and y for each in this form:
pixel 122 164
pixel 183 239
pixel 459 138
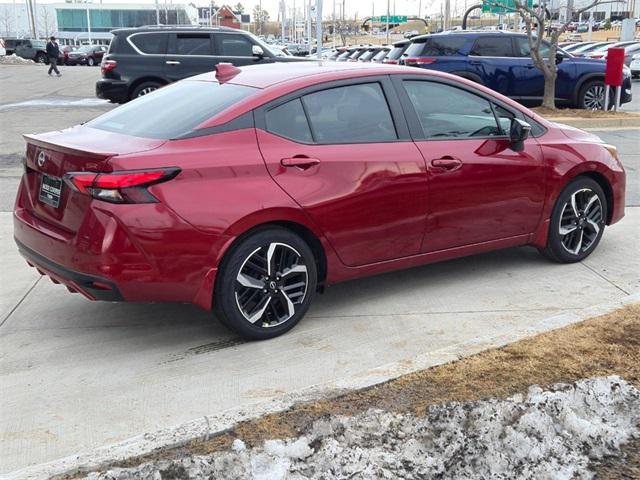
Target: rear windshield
pixel 395 52
pixel 380 55
pixel 171 111
pixel 436 46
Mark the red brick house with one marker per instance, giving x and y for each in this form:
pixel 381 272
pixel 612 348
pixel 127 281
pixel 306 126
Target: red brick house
pixel 226 17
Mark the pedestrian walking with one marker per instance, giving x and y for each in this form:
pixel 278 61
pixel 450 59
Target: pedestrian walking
pixel 53 51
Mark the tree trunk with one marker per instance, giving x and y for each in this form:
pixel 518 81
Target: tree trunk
pixel 549 99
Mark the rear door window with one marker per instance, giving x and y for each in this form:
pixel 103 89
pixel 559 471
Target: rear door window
pixel 290 121
pixel 350 114
pixel 231 45
pixel 171 111
pixel 446 112
pixel 492 47
pixel 191 44
pixel 435 46
pixel 150 43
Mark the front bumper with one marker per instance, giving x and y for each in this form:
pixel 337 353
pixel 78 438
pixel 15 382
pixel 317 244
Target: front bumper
pixel 116 91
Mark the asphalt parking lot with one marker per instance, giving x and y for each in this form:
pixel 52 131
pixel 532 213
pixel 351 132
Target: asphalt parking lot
pixel 76 375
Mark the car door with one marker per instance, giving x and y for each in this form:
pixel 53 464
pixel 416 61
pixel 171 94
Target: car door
pixel 342 151
pixel 188 54
pixel 491 59
pixel 238 49
pixel 479 189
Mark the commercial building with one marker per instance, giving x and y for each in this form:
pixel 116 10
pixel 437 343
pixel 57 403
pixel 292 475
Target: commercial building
pixel 78 23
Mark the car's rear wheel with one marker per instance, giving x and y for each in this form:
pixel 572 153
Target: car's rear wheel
pixel 577 222
pixel 41 58
pixel 266 284
pixel 91 62
pixel 144 89
pixel 592 96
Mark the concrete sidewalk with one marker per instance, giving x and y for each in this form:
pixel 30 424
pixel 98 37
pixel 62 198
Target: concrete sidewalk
pixel 76 375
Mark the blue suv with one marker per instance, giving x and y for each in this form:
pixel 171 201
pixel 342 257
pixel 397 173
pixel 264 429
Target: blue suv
pixel 502 61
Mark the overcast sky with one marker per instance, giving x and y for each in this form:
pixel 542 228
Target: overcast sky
pixel 362 8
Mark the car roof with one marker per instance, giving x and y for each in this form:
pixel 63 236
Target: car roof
pixel 176 28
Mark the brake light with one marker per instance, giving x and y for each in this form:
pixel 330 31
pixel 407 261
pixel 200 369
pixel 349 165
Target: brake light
pixel 390 61
pixel 127 186
pixel 107 65
pixel 419 60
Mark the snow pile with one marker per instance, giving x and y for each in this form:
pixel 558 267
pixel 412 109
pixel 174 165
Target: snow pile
pixel 545 434
pixel 14 59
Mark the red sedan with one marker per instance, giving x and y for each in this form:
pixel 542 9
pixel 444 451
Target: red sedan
pixel 249 190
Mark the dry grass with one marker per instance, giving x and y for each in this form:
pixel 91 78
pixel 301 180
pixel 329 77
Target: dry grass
pixel 606 345
pixel 578 113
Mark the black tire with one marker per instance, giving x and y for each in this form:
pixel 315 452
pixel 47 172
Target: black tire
pixel 558 244
pixel 235 304
pixel 41 58
pixel 586 95
pixel 144 88
pixel 91 62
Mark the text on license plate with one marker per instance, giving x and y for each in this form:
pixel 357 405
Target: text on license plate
pixel 50 190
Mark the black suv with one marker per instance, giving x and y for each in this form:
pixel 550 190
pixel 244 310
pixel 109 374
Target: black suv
pixel 143 59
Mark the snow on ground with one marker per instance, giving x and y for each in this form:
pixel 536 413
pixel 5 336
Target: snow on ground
pixel 14 59
pixel 544 434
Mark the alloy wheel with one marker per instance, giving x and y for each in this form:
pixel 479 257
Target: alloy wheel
pixel 581 221
pixel 146 91
pixel 270 284
pixel 594 97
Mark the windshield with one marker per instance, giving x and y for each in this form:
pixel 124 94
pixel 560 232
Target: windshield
pixel 37 44
pixel 171 111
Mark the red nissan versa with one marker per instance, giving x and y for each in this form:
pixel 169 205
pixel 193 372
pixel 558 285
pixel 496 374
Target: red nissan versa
pixel 247 190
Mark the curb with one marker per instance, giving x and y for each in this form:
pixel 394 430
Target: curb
pixel 210 425
pixel 591 123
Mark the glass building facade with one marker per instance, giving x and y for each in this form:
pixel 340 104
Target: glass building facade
pixel 105 20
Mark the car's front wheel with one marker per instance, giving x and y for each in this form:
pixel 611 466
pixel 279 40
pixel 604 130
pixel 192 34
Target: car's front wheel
pixel 91 62
pixel 41 58
pixel 577 222
pixel 592 96
pixel 266 284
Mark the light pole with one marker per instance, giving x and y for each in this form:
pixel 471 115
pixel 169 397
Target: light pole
pixel 388 13
pixel 319 29
pixel 334 24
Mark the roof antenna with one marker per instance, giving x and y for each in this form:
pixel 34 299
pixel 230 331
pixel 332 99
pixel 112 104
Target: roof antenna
pixel 226 71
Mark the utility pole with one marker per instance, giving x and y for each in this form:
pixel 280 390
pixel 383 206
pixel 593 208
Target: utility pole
pixel 89 25
pixel 388 13
pixel 447 14
pixel 283 9
pixel 309 13
pixel 334 23
pixel 319 29
pixel 158 13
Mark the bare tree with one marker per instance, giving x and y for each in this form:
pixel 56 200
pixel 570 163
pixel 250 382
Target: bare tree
pixel 535 21
pixel 46 20
pixel 6 20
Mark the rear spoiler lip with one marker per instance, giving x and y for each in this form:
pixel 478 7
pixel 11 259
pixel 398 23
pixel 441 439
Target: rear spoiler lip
pixel 69 149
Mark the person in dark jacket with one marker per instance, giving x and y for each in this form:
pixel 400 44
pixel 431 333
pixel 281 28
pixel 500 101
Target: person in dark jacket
pixel 53 51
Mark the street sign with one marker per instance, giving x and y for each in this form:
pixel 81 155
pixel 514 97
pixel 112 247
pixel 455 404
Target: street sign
pixel 501 6
pixel 392 19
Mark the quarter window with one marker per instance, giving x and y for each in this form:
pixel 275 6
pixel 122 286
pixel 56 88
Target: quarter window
pixel 289 121
pixel 524 50
pixel 492 47
pixel 445 111
pixel 191 44
pixel 151 43
pixel 351 114
pixel 436 46
pixel 230 45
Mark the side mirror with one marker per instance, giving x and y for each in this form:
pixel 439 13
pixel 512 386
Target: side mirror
pixel 559 57
pixel 518 133
pixel 257 51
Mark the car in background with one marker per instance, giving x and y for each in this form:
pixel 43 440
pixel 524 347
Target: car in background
pixel 576 45
pixel 393 57
pixel 3 50
pixel 10 44
pixel 381 55
pixel 65 50
pixel 585 49
pixel 634 66
pixel 630 49
pixel 86 55
pixel 335 53
pixel 35 50
pixel 248 190
pixel 371 52
pixel 344 56
pixel 141 60
pixel 357 53
pixel 502 61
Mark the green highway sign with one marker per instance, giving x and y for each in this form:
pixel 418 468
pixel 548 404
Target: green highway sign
pixel 392 19
pixel 501 6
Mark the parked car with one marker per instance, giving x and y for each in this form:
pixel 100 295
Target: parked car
pixel 635 65
pixel 65 50
pixel 140 60
pixel 87 55
pixel 502 61
pixel 344 56
pixel 336 53
pixel 249 189
pixel 357 53
pixel 35 50
pixel 630 48
pixel 10 44
pixel 577 45
pixel 368 54
pixel 381 55
pixel 585 49
pixel 396 52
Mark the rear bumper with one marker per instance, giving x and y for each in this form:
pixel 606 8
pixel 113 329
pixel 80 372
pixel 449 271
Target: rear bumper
pixel 116 91
pixel 91 286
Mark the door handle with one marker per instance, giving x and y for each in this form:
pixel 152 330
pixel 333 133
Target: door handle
pixel 172 62
pixel 299 161
pixel 447 163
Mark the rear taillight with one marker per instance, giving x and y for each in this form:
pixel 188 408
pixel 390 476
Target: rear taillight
pixel 419 60
pixel 127 186
pixel 390 61
pixel 107 65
